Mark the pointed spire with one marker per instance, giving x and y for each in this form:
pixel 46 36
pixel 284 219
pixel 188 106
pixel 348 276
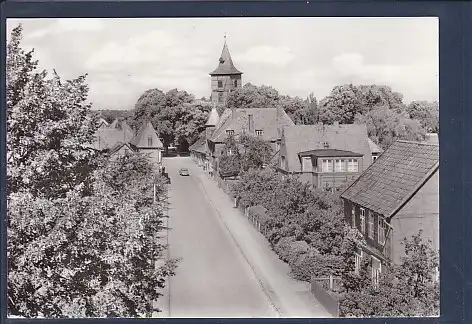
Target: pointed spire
pixel 213 118
pixel 226 66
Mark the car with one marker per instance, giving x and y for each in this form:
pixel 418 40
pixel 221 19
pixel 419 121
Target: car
pixel 184 172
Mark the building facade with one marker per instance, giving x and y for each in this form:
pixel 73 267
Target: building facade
pixel 394 199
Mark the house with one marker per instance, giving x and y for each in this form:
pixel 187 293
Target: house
pixel 375 150
pixel 225 78
pixel 198 150
pixel 108 136
pixel 325 156
pixel 102 123
pixel 120 149
pixel 394 198
pixel 147 141
pixel 264 123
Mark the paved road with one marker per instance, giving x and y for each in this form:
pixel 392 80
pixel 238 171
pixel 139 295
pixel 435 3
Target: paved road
pixel 213 279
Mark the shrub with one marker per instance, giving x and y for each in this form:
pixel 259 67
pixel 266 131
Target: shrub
pixel 314 264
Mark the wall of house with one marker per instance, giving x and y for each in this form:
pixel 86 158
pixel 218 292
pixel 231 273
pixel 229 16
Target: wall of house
pixel 154 154
pixel 421 212
pixel 334 179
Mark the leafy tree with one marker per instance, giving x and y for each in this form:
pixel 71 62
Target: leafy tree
pixel 309 115
pixel 148 105
pixel 255 152
pixel 49 125
pixel 427 113
pixel 111 115
pixel 251 96
pixel 384 126
pixel 91 256
pixel 408 289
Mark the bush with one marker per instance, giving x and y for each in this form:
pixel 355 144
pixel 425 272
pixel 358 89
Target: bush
pixel 314 264
pixel 282 248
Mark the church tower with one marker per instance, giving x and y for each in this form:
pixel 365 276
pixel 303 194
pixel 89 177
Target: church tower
pixel 225 78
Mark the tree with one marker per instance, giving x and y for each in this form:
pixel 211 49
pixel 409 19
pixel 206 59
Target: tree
pixel 384 126
pixel 111 115
pixel 408 289
pixel 251 96
pixel 308 115
pixel 89 256
pixel 50 128
pixel 255 152
pixel 427 113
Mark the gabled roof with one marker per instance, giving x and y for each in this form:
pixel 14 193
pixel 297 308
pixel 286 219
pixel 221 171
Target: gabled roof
pixel 374 148
pixel 107 137
pixel 394 178
pixel 118 147
pixel 329 153
pixel 226 66
pixel 141 138
pixel 269 120
pixel 200 144
pixel 300 138
pixel 213 117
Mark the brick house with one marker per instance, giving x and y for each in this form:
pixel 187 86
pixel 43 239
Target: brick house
pixel 264 123
pixel 394 198
pixel 325 156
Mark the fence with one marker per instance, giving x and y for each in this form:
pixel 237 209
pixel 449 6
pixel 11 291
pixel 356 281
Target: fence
pixel 330 283
pixel 321 287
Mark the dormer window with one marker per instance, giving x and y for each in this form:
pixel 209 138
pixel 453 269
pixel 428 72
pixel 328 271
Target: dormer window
pixel 326 145
pixel 306 164
pixel 235 83
pixel 259 132
pixel 220 84
pixel 374 158
pixel 352 165
pixel 327 165
pixel 229 132
pixel 149 140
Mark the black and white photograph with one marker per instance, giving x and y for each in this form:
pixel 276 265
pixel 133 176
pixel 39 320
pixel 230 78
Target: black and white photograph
pixel 222 167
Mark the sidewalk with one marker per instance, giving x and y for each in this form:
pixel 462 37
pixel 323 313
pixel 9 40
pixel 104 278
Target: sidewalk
pixel 291 298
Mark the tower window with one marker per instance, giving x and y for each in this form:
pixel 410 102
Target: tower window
pixel 220 84
pixel 229 132
pixel 149 140
pixel 259 132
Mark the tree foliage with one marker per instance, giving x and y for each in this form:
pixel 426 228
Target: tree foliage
pixel 82 231
pixel 427 113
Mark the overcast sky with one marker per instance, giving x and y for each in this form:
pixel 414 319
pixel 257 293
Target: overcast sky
pixel 297 56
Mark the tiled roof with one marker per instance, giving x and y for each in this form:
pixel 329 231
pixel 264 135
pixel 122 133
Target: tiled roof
pixel 118 146
pixel 107 137
pixel 141 138
pixel 394 177
pixel 200 144
pixel 269 120
pixel 300 138
pixel 374 148
pixel 225 66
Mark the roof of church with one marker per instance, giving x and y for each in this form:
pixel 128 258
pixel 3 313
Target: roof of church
pixel 226 66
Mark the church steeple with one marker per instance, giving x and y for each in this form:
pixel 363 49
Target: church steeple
pixel 225 78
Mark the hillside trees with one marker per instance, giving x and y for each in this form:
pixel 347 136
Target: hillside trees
pixel 82 232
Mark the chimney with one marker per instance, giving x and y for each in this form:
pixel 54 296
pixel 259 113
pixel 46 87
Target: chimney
pixel 432 138
pixel 251 123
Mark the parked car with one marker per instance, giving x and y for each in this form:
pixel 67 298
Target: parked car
pixel 184 172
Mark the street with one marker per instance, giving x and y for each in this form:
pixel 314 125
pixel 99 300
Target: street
pixel 213 279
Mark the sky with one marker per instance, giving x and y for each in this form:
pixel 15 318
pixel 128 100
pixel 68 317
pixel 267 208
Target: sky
pixel 297 56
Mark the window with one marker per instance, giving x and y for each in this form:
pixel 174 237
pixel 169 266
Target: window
pixel 327 165
pixel 376 270
pixel 362 220
pixel 353 215
pixel 220 84
pixel 220 97
pixel 306 164
pixel 235 83
pixel 374 158
pixel 277 146
pixel 381 230
pixel 229 152
pixel 259 132
pixel 149 140
pixel 352 165
pixel 282 162
pixel 357 261
pixel 229 132
pixel 339 166
pixel 371 225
